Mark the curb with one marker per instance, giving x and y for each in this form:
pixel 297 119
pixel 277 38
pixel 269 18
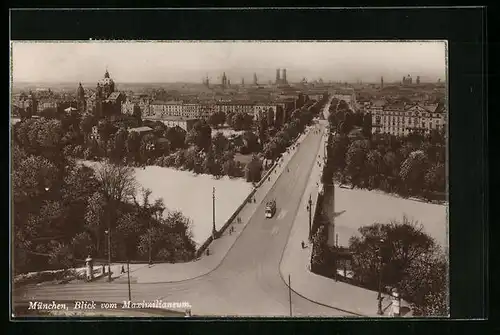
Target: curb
pixel 282 254
pixel 219 264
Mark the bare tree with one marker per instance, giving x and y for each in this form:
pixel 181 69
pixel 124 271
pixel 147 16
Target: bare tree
pixel 118 182
pixel 118 185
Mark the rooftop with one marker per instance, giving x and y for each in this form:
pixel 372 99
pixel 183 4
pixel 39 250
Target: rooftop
pixel 172 118
pixel 140 129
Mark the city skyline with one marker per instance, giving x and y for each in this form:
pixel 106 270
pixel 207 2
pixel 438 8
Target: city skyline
pixel 164 62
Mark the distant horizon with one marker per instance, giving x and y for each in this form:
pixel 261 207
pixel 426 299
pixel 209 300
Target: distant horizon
pixel 190 62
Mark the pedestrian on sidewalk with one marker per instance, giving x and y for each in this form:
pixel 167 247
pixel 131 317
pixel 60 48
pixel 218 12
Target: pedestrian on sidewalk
pixel 396 303
pixel 303 245
pixel 123 269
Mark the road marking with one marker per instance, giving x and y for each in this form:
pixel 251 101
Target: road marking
pixel 282 214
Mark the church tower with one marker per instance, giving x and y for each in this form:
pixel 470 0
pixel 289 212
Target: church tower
pixel 108 85
pixel 81 103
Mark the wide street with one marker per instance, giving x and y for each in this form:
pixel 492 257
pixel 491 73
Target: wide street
pixel 248 281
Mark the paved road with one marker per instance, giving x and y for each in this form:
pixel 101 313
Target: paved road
pixel 247 283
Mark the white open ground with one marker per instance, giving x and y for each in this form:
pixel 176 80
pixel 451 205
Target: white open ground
pixel 227 132
pixel 192 195
pixel 364 207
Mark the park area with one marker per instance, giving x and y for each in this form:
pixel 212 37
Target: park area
pixel 192 195
pixel 357 208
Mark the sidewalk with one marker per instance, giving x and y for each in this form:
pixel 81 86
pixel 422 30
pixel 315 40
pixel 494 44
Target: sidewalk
pixel 322 290
pixel 168 272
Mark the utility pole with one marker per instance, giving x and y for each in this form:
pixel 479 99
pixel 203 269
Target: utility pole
pixel 214 232
pixel 290 294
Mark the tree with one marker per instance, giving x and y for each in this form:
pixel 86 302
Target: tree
pixel 242 121
pixel 209 163
pixel 253 169
pixel 149 147
pixel 270 117
pixel 263 126
pixel 355 160
pixel 217 119
pixel 176 137
pixel 118 145
pixel 413 169
pixel 435 178
pixel 82 245
pixel 171 240
pixel 398 246
pixel 137 112
pixel 88 121
pixel 133 145
pixel 338 150
pixel 95 218
pixel 105 130
pixel 128 231
pixel 220 143
pixel 32 175
pixel 367 125
pixel 250 141
pixel 230 119
pixel 280 117
pixel 200 135
pixel 117 185
pixel 319 246
pixel 271 150
pixel 426 283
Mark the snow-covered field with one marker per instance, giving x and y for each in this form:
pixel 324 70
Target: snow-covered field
pixel 364 207
pixel 192 195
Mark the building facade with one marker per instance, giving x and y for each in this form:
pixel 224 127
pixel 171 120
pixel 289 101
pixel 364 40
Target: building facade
pixel 402 120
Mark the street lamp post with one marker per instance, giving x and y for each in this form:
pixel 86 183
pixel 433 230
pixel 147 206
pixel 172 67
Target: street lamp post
pixel 149 242
pixel 108 232
pixel 309 208
pixel 379 297
pixel 214 232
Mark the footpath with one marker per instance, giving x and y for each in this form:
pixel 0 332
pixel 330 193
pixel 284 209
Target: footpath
pixel 218 249
pixel 295 263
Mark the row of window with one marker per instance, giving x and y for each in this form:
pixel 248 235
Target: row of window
pixel 401 113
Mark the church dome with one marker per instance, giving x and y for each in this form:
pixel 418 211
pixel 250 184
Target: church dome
pixel 106 81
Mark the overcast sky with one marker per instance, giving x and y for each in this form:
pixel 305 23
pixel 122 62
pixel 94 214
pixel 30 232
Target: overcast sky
pixel 189 62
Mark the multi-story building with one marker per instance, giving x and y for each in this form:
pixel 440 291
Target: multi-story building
pixel 46 104
pixel 178 121
pixel 400 119
pixel 159 110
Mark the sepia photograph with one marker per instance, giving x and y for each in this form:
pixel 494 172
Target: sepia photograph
pixel 171 179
